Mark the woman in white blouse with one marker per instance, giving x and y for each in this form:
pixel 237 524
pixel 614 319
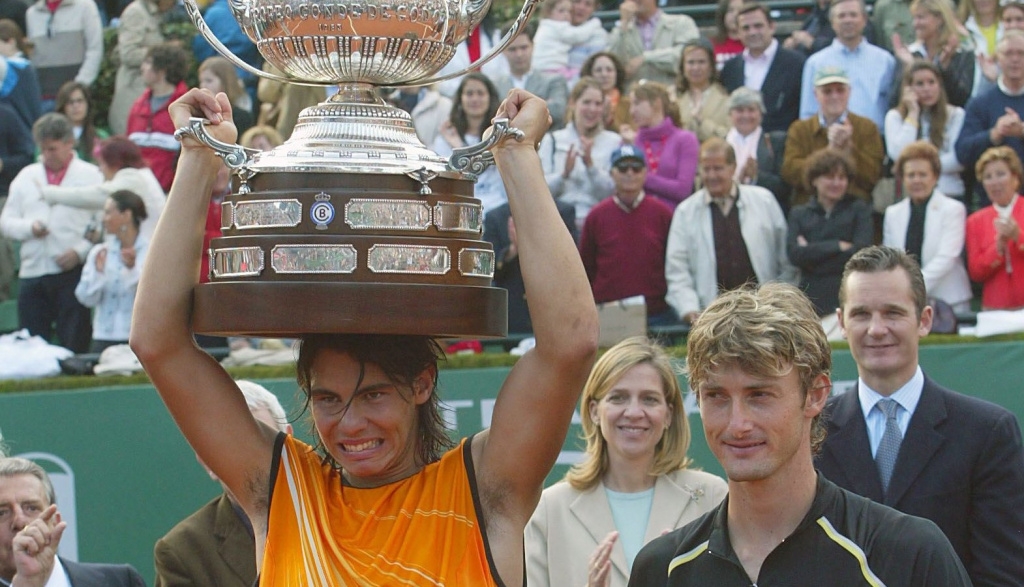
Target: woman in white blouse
pixel 577 158
pixel 939 240
pixel 925 114
pixel 634 481
pixel 111 272
pixel 473 109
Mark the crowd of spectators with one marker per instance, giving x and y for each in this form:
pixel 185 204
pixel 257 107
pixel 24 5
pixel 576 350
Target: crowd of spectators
pixel 832 121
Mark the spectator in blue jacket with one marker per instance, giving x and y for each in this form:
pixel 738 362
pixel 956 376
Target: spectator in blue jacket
pixel 19 85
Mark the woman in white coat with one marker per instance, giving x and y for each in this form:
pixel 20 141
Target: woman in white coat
pixel 112 269
pixel 938 241
pixel 123 167
pixel 577 158
pixel 634 482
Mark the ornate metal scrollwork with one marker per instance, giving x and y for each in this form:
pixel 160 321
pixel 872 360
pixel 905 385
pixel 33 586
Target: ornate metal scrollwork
pixel 475 159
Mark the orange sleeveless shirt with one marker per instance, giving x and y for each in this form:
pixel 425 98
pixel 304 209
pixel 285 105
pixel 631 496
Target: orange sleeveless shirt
pixel 423 530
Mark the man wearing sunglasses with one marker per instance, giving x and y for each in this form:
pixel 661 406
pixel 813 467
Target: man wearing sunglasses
pixel 624 238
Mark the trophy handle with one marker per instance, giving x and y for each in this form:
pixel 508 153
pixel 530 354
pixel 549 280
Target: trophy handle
pixel 513 32
pixel 473 160
pixel 196 16
pixel 236 157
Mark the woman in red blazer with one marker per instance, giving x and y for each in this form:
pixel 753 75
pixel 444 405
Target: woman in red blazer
pixel 995 250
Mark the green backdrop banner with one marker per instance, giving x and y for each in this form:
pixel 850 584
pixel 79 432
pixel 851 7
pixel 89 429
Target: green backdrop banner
pixel 125 475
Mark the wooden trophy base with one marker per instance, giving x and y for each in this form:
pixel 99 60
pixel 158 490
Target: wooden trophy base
pixel 323 253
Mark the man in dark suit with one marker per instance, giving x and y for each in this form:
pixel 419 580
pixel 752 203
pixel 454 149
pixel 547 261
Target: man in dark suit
pixel 934 453
pixel 30 532
pixel 215 546
pixel 765 66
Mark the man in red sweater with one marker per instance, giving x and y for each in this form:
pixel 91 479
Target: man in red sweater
pixel 624 238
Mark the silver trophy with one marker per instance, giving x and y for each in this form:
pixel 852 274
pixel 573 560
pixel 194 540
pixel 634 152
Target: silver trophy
pixel 357 46
pixel 353 224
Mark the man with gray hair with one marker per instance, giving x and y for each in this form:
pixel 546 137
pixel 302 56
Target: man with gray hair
pixel 30 532
pixel 759 151
pixel 724 236
pixel 53 237
pixel 216 544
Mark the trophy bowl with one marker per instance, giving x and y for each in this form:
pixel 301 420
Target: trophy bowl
pixel 386 42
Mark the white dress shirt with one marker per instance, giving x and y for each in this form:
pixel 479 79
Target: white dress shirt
pixel 906 398
pixel 755 69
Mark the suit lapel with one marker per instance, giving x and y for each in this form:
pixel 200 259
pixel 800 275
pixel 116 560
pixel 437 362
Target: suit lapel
pixel 233 542
pixel 765 156
pixel 901 214
pixel 932 230
pixel 920 443
pixel 593 512
pixel 772 77
pixel 670 504
pixel 850 449
pixel 532 83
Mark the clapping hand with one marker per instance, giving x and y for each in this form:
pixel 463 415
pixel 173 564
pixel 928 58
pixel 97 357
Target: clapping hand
pixel 988 66
pixel 627 13
pixel 586 146
pixel 600 565
pixel 901 51
pixel 840 135
pixel 749 174
pixel 628 134
pixel 39 229
pixel 101 260
pixel 797 39
pixel 570 162
pixel 1007 229
pixel 68 260
pixel 128 257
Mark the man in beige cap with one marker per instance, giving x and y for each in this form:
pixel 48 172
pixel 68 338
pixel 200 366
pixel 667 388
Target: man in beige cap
pixel 833 126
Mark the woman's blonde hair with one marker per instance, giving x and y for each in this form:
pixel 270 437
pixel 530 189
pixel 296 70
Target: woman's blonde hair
pixel 670 452
pixel 967 9
pixel 1004 154
pixel 225 72
pixel 261 130
pixel 648 91
pixel 942 9
pixel 585 83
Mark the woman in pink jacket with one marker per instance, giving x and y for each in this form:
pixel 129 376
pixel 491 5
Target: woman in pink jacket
pixel 671 151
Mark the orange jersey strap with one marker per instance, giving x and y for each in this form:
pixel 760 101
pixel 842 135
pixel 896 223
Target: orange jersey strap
pixel 422 531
